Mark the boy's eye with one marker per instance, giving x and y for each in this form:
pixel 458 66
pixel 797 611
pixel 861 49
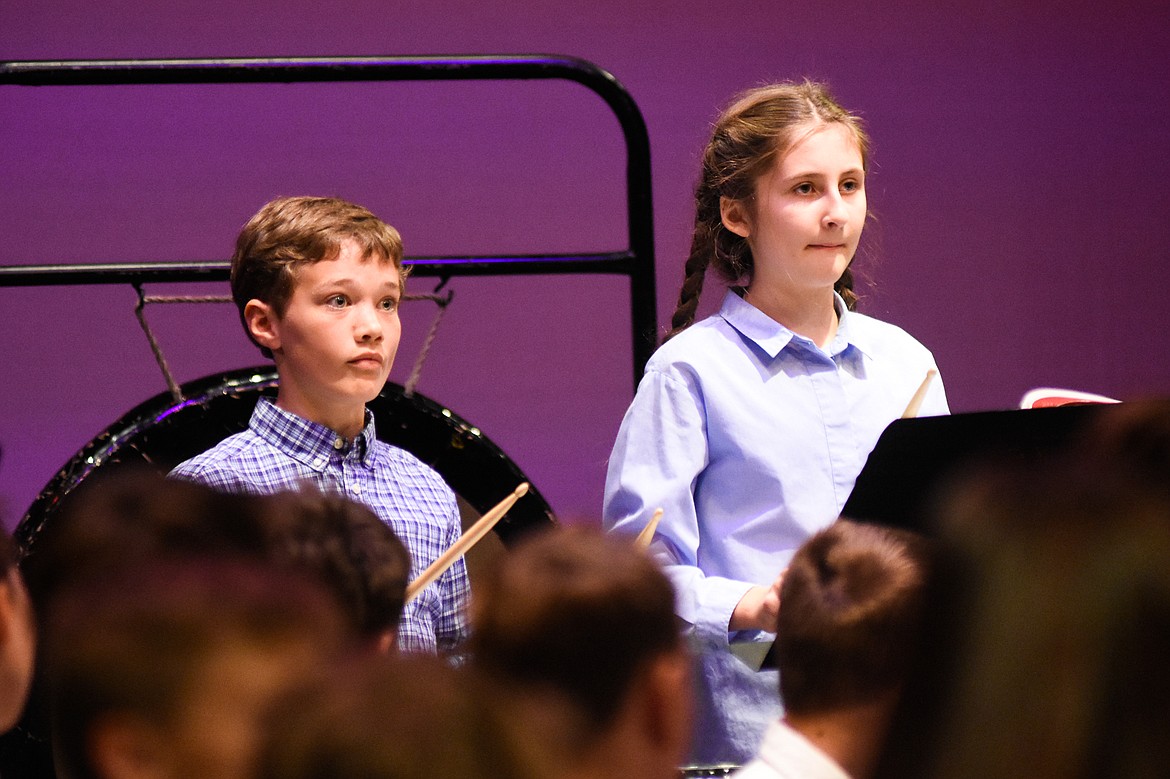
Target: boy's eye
pixel 336 301
pixel 388 304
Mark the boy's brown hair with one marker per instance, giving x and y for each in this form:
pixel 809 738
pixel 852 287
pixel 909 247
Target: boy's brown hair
pixel 354 553
pixel 403 716
pixel 292 231
pixel 137 644
pixel 851 609
pixel 577 613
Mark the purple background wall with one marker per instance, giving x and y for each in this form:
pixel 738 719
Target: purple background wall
pixel 1021 154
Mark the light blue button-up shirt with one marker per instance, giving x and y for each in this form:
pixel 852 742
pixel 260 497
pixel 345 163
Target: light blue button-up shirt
pixel 750 438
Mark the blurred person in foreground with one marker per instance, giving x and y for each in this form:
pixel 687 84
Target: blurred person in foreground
pixel 166 670
pixel 577 631
pixel 852 611
pixel 398 716
pixel 1051 660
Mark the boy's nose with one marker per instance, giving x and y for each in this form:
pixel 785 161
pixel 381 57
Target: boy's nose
pixel 368 327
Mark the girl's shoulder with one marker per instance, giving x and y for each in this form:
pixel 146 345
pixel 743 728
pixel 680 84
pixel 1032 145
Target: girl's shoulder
pixel 699 343
pixel 876 335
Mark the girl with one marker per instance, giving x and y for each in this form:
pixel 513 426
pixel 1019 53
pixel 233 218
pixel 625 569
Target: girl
pixel 750 427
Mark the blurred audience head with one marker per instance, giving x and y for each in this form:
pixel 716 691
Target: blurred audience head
pixel 852 606
pixel 134 515
pixel 578 629
pixel 400 716
pixel 852 601
pixel 354 553
pixel 17 635
pixel 1055 628
pixel 166 669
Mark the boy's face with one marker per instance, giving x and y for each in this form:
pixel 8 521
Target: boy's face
pixel 336 341
pixel 17 647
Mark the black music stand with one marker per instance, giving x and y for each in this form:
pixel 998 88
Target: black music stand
pixel 916 458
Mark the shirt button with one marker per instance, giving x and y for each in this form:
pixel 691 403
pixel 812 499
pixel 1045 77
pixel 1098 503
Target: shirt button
pixel 339 443
pixel 356 489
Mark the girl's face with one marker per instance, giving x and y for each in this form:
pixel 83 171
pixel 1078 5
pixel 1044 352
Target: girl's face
pixel 806 218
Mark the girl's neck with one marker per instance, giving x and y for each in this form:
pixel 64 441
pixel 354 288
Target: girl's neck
pixel 813 316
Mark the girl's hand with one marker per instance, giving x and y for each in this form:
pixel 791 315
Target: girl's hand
pixel 758 609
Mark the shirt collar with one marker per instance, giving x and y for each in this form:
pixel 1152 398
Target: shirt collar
pixel 786 750
pixel 306 441
pixel 772 337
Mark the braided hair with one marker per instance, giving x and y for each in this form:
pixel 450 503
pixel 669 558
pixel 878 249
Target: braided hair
pixel 748 137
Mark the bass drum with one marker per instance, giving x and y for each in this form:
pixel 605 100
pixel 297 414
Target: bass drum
pixel 161 433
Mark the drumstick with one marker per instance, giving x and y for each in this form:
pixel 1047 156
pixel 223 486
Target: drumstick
pixel 647 534
pixel 919 396
pixel 465 542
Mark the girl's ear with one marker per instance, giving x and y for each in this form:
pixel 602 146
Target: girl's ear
pixel 263 323
pixel 735 216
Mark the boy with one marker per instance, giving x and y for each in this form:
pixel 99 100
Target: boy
pixel 167 668
pixel 851 613
pixel 578 631
pixel 317 282
pixel 17 636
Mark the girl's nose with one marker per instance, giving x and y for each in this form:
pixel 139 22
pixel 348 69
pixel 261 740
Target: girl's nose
pixel 835 214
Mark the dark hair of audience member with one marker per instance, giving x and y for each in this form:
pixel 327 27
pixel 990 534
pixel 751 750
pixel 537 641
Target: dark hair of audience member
pixel 1058 623
pixel 355 553
pixel 401 716
pixel 179 653
pixel 576 613
pixel 853 599
pixel 135 515
pixel 1133 436
pixel 119 519
pixel 126 516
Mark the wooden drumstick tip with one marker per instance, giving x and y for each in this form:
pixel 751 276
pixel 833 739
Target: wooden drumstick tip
pixel 919 396
pixel 647 535
pixel 465 542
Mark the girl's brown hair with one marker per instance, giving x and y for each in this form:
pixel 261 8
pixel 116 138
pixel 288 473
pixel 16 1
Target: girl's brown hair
pixel 759 127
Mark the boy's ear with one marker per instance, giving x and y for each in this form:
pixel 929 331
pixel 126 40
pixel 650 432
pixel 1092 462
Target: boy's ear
pixel 386 641
pixel 7 610
pixel 263 323
pixel 735 216
pixel 124 747
pixel 669 706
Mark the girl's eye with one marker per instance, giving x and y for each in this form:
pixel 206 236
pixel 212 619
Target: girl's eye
pixel 850 186
pixel 803 189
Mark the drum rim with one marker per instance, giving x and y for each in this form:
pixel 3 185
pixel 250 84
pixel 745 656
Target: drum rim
pixel 393 409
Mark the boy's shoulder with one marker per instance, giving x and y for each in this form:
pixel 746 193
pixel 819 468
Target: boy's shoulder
pixel 229 464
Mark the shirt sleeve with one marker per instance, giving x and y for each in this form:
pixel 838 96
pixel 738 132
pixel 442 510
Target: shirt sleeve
pixel 660 451
pixel 210 472
pixel 455 586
